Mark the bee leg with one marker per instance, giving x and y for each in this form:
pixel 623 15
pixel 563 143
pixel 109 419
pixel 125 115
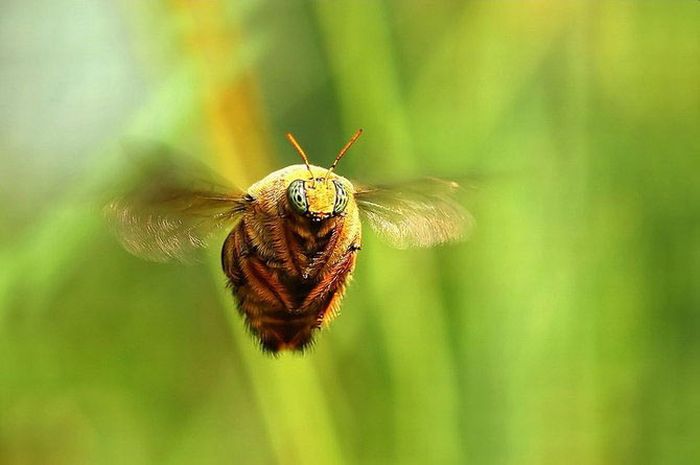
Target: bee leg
pixel 332 308
pixel 250 277
pixel 332 279
pixel 234 249
pixel 265 284
pixel 319 263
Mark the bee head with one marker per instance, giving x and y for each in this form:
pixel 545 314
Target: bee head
pixel 317 198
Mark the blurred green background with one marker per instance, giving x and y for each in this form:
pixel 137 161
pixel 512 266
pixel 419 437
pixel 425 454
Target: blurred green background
pixel 565 331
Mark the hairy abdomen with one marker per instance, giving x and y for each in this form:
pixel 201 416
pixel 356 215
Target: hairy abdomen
pixel 288 278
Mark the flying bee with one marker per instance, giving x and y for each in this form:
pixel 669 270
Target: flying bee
pixel 294 236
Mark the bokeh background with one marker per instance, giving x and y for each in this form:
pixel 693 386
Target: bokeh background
pixel 565 331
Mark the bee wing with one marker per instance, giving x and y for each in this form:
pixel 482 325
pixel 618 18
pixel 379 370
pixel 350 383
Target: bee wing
pixel 171 216
pixel 420 213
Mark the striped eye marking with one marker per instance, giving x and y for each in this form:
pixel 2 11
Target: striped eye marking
pixel 341 198
pixel 296 194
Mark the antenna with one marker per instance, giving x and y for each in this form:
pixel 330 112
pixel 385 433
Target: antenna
pixel 352 140
pixel 298 148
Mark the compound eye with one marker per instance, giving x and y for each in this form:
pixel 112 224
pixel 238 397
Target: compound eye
pixel 296 193
pixel 341 198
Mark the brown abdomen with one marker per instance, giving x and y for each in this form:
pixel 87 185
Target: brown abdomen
pixel 287 287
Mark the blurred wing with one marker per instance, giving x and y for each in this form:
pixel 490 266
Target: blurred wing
pixel 170 217
pixel 421 213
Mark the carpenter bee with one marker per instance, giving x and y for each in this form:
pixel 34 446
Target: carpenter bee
pixel 293 236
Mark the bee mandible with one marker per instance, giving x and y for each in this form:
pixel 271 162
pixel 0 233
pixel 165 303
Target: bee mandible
pixel 294 236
